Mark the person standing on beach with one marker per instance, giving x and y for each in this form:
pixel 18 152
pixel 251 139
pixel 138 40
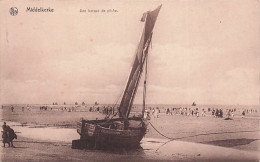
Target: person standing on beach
pixel 11 135
pixel 203 113
pixel 213 112
pixel 217 113
pixel 243 113
pixel 232 114
pixel 4 126
pixel 228 114
pixel 28 108
pixel 156 113
pixel 8 135
pixel 220 113
pixel 167 111
pixel 5 135
pixel 12 108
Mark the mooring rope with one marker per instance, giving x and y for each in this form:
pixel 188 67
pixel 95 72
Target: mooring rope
pixel 203 134
pixel 160 132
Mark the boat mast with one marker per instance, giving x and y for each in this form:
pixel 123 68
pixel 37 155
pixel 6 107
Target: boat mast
pixel 140 59
pixel 145 83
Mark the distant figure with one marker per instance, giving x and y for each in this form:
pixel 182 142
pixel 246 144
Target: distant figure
pixel 153 111
pixel 243 113
pixel 217 113
pixel 220 113
pixel 5 135
pixel 167 111
pixel 203 113
pixel 213 112
pixel 156 113
pixel 12 108
pixel 147 115
pixel 228 114
pixel 4 127
pixel 28 107
pixel 110 110
pixel 22 108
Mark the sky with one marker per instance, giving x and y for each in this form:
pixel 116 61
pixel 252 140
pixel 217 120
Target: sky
pixel 202 51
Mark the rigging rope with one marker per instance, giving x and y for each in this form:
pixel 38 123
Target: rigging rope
pixel 113 107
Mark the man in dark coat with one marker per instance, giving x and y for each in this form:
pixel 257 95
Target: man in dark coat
pixel 11 135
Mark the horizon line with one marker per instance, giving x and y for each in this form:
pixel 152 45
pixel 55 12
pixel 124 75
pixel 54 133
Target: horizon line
pixel 135 104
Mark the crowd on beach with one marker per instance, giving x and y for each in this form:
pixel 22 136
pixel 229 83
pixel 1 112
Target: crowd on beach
pixel 195 111
pixel 150 111
pixel 100 109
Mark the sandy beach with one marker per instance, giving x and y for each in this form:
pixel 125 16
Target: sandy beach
pixel 239 134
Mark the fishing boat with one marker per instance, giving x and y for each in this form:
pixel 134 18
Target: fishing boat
pixel 122 130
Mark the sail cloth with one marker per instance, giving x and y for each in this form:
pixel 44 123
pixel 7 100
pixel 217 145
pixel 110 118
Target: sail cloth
pixel 149 18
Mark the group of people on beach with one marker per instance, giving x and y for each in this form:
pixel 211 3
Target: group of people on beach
pixel 152 111
pixel 108 110
pixel 197 112
pixel 8 135
pixel 186 111
pixel 12 108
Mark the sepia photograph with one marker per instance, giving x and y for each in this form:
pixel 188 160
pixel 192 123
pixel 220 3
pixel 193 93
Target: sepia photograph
pixel 129 80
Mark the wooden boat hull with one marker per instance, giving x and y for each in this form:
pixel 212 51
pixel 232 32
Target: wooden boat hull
pixel 98 134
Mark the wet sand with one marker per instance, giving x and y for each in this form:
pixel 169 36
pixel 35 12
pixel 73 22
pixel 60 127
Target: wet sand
pixel 193 138
pixel 38 150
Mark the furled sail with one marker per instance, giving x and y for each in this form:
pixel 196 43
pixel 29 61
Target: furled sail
pixel 141 54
